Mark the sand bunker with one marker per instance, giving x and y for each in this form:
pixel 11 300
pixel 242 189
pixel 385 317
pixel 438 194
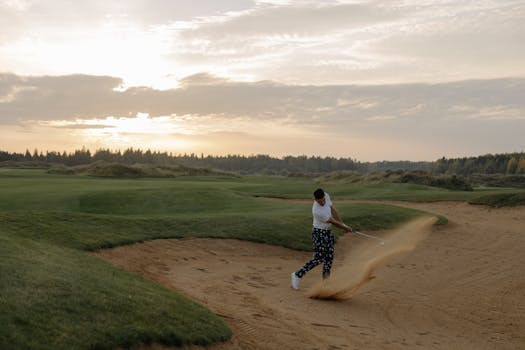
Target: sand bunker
pixel 359 266
pixel 462 287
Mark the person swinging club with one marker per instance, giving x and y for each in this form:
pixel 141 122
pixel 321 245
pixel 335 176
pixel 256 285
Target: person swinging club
pixel 324 215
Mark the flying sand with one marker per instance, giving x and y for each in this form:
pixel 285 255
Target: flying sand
pixel 359 265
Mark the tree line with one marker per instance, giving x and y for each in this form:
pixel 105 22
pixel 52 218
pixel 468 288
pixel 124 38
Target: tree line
pixel 508 164
pixel 512 163
pixel 253 164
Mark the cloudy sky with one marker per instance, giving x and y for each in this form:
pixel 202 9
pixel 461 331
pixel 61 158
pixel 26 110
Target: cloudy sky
pixel 372 80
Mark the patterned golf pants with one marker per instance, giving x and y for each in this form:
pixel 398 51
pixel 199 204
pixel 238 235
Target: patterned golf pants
pixel 323 241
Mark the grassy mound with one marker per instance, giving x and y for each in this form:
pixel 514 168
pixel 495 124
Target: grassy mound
pixel 59 298
pixel 105 169
pixel 501 200
pixel 26 164
pixel 451 182
pixel 498 180
pixel 355 177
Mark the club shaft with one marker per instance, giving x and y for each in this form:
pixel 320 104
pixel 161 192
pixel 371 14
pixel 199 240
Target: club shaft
pixel 368 236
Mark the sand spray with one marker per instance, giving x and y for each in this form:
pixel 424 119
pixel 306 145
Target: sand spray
pixel 359 265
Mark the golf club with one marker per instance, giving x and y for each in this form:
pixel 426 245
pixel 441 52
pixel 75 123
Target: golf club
pixel 370 236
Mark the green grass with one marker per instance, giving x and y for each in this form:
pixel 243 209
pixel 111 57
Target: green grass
pixel 53 295
pixel 57 298
pixel 511 199
pixel 302 188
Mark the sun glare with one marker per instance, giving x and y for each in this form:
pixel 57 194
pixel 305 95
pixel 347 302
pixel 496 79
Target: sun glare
pixel 141 131
pixel 142 123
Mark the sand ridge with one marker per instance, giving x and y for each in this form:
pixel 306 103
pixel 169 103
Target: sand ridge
pixel 462 287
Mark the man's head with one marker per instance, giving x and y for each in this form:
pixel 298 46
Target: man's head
pixel 319 196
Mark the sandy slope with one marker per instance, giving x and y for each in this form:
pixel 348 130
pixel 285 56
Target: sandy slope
pixel 462 287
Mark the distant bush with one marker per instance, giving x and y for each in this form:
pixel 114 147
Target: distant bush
pixel 451 182
pixel 341 177
pixel 112 170
pixel 105 169
pixel 498 180
pixel 501 200
pixel 299 174
pixel 26 164
pixel 61 169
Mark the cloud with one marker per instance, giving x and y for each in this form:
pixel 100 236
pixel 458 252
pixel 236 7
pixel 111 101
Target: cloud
pixel 297 20
pixel 202 79
pixel 130 39
pixel 367 42
pixel 81 126
pixel 80 97
pixel 57 97
pixel 51 14
pixel 471 39
pixel 291 42
pixel 279 37
pixel 456 118
pixel 217 115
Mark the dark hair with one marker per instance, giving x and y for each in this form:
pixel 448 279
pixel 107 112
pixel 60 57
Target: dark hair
pixel 319 193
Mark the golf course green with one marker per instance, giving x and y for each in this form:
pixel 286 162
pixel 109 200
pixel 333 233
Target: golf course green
pixel 54 295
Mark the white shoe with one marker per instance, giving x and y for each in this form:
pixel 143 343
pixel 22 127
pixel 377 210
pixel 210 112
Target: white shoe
pixel 295 281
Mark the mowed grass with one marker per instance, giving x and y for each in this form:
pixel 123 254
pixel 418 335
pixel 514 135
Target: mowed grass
pixel 53 295
pixel 57 298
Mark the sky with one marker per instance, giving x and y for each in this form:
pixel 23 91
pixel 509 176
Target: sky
pixel 369 80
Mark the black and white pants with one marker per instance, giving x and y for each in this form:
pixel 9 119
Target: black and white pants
pixel 323 241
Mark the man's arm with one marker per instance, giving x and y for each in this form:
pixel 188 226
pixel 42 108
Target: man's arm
pixel 340 224
pixel 335 214
pixel 336 220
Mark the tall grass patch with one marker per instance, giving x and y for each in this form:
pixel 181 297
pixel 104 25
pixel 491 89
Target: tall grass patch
pixel 501 200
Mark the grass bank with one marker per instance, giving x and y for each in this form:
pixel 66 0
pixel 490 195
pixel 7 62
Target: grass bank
pixel 510 199
pixel 54 297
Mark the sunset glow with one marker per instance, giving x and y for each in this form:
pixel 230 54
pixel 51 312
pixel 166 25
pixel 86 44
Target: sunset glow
pixel 363 79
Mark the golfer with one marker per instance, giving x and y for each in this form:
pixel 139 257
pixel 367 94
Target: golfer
pixel 324 215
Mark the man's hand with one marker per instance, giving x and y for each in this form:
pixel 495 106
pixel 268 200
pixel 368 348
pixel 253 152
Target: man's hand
pixel 339 224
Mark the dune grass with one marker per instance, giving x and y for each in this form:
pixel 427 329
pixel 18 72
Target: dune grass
pixel 302 188
pixel 53 295
pixel 508 199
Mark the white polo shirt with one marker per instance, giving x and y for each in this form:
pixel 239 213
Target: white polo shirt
pixel 322 213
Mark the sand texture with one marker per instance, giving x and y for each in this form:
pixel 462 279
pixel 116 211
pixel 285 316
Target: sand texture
pixel 459 286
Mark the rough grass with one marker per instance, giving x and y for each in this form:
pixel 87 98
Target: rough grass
pixel 58 298
pixel 501 200
pixel 118 170
pixel 451 182
pixel 498 180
